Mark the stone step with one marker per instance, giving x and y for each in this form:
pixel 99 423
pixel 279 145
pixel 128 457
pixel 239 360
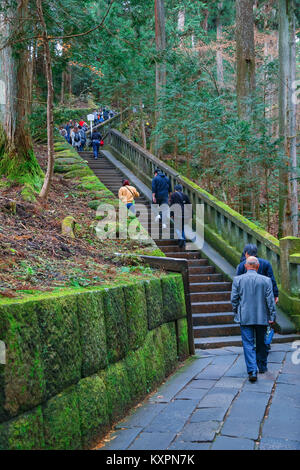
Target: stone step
pixel 201 270
pixel 216 330
pixel 210 286
pixel 210 296
pixel 200 278
pixel 216 306
pixel 197 262
pixel 235 340
pixel 167 242
pixel 185 255
pixel 220 318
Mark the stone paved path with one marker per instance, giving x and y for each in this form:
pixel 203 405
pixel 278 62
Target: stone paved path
pixel 210 404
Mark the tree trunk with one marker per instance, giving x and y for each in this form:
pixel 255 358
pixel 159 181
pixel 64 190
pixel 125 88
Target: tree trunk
pixel 219 58
pixel 48 178
pixel 245 56
pixel 17 160
pixel 160 73
pixel 180 24
pixel 62 88
pixel 285 223
pixel 292 130
pixel 143 131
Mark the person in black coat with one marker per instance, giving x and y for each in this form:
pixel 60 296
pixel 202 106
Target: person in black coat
pixel 178 197
pixel 96 139
pixel 265 267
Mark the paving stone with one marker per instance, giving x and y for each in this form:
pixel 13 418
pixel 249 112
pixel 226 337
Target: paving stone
pixel 217 368
pixel 289 367
pixel 276 356
pixel 179 380
pixel 249 404
pixel 173 417
pixel 202 383
pixel 278 444
pixel 142 416
pixel 235 349
pixel 230 382
pixel 218 397
pixel 203 431
pixel 190 393
pixel 215 352
pixel 287 392
pixel 282 423
pixel 153 441
pixel 122 439
pixel 290 379
pixel 238 369
pixel 183 445
pixel 264 384
pixel 241 426
pixel 281 347
pixel 208 414
pixel 232 443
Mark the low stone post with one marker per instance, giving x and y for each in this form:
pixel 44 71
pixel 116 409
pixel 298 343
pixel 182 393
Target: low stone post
pixel 288 246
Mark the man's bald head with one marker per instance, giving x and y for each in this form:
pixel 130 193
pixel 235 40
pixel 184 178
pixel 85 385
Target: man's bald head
pixel 252 263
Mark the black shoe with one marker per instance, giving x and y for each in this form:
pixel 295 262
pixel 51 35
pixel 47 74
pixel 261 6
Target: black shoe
pixel 253 377
pixel 262 371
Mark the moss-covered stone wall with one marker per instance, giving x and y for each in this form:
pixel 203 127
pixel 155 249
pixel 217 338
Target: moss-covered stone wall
pixel 77 361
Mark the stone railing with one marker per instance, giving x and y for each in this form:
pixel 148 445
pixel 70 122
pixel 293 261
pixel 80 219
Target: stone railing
pixel 225 228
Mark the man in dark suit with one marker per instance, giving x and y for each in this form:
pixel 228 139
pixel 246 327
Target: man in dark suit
pixel 265 267
pixel 254 306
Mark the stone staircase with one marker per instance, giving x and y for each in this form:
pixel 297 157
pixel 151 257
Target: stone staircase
pixel 212 314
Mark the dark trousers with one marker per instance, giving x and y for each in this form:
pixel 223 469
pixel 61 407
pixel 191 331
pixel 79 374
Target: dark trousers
pixel 255 356
pixel 96 146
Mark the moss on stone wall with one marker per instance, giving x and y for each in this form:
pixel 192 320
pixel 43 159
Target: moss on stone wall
pixel 92 332
pixel 154 303
pixel 173 297
pixel 116 324
pixel 62 421
pixel 57 350
pixel 61 351
pixel 93 409
pixel 136 311
pixel 182 339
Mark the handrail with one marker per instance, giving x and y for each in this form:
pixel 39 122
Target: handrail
pixel 223 225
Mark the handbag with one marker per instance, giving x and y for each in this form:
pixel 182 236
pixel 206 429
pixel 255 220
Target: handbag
pixel 269 336
pixel 101 142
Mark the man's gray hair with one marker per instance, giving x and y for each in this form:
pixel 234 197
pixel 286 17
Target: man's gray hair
pixel 252 261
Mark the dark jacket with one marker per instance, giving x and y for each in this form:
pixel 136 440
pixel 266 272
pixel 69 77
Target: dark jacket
pixel 265 269
pixel 96 136
pixel 161 186
pixel 182 199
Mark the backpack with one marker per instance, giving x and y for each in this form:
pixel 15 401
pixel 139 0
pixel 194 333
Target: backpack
pixel 76 137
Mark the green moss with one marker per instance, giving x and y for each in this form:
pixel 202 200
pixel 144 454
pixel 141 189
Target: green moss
pixel 28 194
pixel 22 384
pixel 153 354
pixel 79 172
pixel 154 303
pixel 173 297
pixel 93 409
pixel 136 311
pixel 62 422
pixel 61 350
pixel 115 323
pixel 169 341
pixel 217 242
pixel 24 432
pixel 182 339
pixel 118 390
pixel 136 371
pixel 92 332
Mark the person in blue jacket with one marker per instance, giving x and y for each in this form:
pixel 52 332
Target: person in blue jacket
pixel 265 267
pixel 161 189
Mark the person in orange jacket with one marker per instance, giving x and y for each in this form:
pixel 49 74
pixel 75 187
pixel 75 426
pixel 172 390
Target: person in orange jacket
pixel 127 194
